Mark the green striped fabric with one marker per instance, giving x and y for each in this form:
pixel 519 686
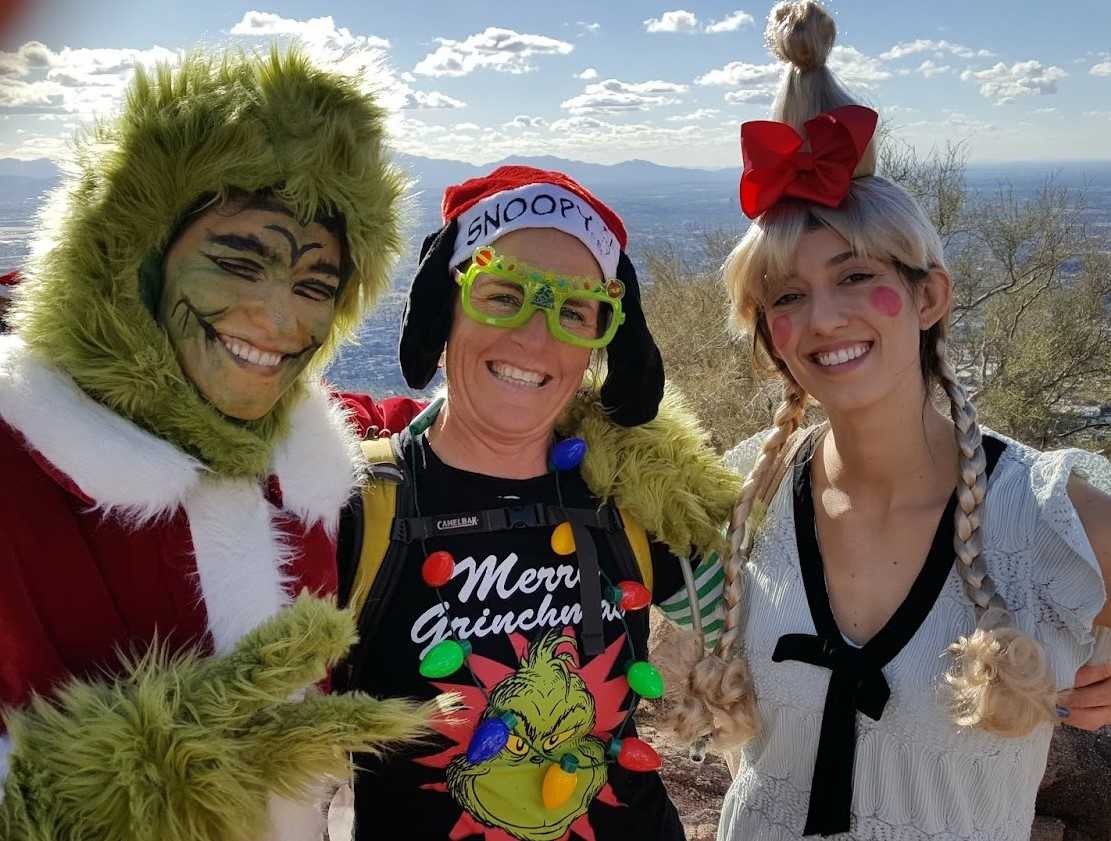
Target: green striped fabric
pixel 708 581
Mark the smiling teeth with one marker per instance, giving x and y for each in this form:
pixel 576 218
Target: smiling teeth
pixel 839 357
pixel 516 375
pixel 249 353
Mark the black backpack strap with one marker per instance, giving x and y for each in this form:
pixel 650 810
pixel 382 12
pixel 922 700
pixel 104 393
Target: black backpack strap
pixel 410 529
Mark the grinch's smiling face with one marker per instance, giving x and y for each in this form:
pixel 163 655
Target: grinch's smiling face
pixel 554 714
pixel 248 298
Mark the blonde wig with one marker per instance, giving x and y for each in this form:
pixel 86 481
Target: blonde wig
pixel 1000 679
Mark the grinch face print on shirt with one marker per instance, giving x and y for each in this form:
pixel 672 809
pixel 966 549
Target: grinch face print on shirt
pixel 561 706
pixel 247 300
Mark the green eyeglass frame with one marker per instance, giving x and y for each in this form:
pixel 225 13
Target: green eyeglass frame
pixel 542 290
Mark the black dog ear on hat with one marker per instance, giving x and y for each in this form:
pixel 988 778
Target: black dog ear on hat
pixel 428 312
pixel 634 382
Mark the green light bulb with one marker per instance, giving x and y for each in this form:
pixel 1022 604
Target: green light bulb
pixel 444 658
pixel 644 680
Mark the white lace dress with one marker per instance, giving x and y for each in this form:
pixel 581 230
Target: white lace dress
pixel 916 775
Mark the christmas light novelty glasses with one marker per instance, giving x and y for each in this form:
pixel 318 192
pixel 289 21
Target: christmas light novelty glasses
pixel 504 292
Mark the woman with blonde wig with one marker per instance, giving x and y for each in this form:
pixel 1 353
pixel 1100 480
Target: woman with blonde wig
pixel 881 690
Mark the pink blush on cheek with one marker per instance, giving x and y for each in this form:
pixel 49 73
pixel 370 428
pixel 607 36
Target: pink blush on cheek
pixel 781 331
pixel 886 301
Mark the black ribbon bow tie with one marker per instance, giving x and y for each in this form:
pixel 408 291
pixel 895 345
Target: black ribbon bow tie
pixel 856 684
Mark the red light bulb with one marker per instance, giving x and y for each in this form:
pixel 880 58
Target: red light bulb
pixel 438 568
pixel 632 754
pixel 634 595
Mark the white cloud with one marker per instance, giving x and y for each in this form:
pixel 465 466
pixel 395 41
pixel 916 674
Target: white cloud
pixel 82 82
pixel 363 57
pixel 749 97
pixel 1102 69
pixel 754 83
pixel 741 73
pixel 896 110
pixel 856 68
pixel 924 45
pixel 678 20
pixel 28 97
pixel 321 32
pixel 587 27
pixel 494 49
pixel 588 74
pixel 732 23
pixel 1098 115
pixel 33 55
pixel 616 96
pixel 468 127
pixel 1045 110
pixel 525 122
pixel 1024 78
pixel 694 116
pixel 954 125
pixel 434 99
pixel 928 69
pixel 582 137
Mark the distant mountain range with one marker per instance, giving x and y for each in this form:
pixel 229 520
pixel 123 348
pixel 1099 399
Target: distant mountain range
pixel 435 172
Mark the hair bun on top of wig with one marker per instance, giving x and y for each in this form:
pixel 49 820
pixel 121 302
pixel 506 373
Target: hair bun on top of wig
pixel 1000 681
pixel 800 34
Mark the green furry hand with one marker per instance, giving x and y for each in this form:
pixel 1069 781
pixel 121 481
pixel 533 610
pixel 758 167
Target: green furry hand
pixel 188 747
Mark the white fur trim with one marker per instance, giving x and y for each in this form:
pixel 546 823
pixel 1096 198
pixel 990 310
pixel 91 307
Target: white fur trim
pixel 128 471
pixel 5 749
pixel 292 820
pixel 240 552
pixel 240 557
pixel 114 462
pixel 536 206
pixel 319 464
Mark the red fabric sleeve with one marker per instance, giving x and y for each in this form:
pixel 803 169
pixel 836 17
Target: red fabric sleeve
pixel 393 413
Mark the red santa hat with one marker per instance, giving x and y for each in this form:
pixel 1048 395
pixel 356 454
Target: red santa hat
pixel 8 283
pixel 515 197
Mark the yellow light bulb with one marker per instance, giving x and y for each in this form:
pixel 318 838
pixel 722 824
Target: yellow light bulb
pixel 563 539
pixel 560 782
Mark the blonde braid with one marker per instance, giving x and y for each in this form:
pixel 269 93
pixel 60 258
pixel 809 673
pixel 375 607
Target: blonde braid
pixel 710 695
pixel 787 419
pixel 1000 680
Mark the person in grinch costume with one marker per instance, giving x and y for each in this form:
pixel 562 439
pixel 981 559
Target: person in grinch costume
pixel 512 536
pixel 174 470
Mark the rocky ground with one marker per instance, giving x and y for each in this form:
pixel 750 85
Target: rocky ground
pixel 697 789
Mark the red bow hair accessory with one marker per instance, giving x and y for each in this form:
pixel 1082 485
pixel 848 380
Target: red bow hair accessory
pixel 775 165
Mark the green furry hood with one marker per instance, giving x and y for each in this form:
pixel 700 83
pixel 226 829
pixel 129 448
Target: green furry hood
pixel 214 124
pixel 664 472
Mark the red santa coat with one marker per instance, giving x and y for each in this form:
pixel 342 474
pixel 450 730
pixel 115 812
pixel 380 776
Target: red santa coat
pixel 109 535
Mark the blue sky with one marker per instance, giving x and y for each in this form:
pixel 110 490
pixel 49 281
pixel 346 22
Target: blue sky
pixel 598 81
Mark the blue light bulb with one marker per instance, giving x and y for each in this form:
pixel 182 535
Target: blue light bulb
pixel 568 453
pixel 490 737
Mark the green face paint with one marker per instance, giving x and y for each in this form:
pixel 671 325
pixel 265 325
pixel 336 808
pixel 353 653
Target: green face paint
pixel 248 298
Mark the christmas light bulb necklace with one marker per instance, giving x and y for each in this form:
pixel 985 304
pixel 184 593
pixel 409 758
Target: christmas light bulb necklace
pixel 449 655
